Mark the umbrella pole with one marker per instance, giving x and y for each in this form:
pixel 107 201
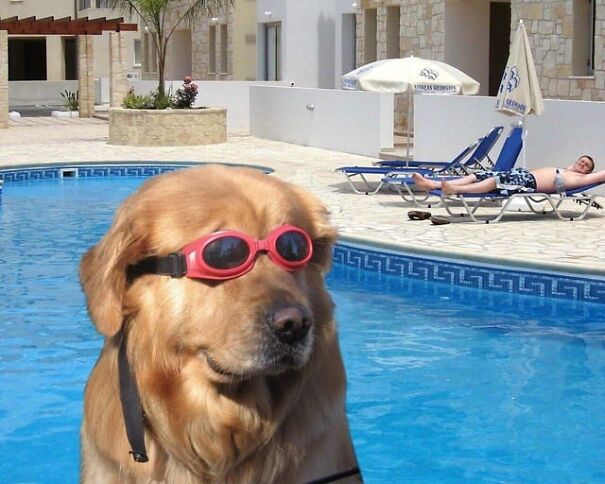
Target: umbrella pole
pixel 407 144
pixel 524 137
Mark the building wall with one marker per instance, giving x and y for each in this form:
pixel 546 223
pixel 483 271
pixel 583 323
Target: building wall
pixel 54 46
pixel 244 40
pixel 311 50
pixel 552 32
pixel 457 32
pixel 234 53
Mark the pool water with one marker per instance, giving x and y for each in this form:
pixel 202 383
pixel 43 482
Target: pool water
pixel 446 384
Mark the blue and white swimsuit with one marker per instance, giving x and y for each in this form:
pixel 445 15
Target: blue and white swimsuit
pixel 517 180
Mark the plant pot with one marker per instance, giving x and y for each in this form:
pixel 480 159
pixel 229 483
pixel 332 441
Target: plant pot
pixel 65 114
pixel 167 127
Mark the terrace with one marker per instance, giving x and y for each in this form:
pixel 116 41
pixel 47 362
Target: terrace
pixel 522 240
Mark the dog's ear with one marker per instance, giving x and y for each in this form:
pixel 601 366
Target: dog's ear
pixel 103 272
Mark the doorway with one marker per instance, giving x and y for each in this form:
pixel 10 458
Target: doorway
pixel 70 57
pixel 273 52
pixel 499 43
pixel 27 59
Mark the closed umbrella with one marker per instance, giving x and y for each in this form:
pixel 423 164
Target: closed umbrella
pixel 519 92
pixel 411 75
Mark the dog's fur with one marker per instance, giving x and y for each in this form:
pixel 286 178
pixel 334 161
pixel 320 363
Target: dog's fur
pixel 262 418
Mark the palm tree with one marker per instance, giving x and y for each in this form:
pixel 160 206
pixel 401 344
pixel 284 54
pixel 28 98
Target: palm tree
pixel 162 17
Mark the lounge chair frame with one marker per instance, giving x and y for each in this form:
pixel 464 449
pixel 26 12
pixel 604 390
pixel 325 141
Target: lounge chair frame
pixel 555 201
pixel 469 159
pixel 506 160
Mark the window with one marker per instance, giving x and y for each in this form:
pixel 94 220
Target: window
pixel 583 37
pixel 137 52
pixel 84 4
pixel 369 35
pixel 349 41
pixel 224 64
pixel 151 55
pixel 393 14
pixel 212 49
pixel 272 52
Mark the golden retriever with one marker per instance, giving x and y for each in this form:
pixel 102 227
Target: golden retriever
pixel 239 380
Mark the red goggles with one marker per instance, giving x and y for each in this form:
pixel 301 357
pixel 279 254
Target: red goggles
pixel 229 254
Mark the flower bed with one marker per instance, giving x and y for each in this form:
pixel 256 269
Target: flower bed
pixel 167 127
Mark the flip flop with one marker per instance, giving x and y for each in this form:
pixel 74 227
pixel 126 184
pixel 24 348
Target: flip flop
pixel 435 220
pixel 419 215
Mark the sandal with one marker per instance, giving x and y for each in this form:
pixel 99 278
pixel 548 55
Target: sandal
pixel 419 215
pixel 435 220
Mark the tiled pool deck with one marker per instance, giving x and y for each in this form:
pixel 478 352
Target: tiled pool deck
pixel 524 241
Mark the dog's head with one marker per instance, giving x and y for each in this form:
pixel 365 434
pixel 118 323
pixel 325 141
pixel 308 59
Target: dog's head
pixel 260 323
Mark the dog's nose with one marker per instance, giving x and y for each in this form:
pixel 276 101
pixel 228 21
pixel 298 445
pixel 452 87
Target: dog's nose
pixel 290 324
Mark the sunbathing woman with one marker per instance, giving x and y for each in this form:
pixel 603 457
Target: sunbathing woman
pixel 518 180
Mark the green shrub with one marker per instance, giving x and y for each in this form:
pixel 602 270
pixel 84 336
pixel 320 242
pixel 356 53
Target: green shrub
pixel 153 100
pixel 136 101
pixel 162 101
pixel 71 100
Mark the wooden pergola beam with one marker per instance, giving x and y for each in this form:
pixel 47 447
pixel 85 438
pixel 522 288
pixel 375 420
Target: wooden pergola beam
pixel 64 26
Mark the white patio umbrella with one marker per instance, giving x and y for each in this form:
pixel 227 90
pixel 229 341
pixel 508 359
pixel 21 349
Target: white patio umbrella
pixel 519 92
pixel 411 75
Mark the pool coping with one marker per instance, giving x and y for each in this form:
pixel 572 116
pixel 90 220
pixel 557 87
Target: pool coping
pixel 586 281
pixel 515 263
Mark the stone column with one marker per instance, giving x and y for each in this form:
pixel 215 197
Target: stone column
pixel 3 79
pixel 118 69
pixel 86 76
pixel 381 32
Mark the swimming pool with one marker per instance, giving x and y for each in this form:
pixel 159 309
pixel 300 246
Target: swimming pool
pixel 446 384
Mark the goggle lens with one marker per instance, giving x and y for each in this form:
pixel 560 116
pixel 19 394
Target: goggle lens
pixel 226 253
pixel 292 246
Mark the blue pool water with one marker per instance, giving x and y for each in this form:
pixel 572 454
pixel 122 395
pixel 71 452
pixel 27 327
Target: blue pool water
pixel 446 384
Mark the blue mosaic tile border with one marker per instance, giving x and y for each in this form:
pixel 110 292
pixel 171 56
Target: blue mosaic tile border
pixel 542 284
pixel 86 171
pixel 559 286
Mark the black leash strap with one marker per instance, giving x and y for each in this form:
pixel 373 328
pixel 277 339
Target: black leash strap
pixel 133 415
pixel 131 405
pixel 336 477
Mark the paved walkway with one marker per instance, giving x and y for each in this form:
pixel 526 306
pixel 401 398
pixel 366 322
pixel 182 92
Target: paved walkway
pixel 522 239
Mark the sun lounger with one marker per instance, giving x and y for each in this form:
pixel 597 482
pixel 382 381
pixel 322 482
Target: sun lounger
pixel 479 159
pixel 471 157
pixel 506 160
pixel 472 202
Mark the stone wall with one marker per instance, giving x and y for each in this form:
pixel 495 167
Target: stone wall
pixel 118 69
pixel 550 28
pixel 3 79
pixel 178 127
pixel 86 85
pixel 200 48
pixel 421 33
pixel 549 25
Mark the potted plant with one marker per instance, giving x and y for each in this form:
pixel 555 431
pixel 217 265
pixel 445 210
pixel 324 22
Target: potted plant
pixel 71 104
pixel 160 118
pixel 157 16
pixel 168 120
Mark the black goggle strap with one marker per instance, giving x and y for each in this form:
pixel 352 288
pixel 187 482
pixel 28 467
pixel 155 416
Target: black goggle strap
pixel 131 405
pixel 173 265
